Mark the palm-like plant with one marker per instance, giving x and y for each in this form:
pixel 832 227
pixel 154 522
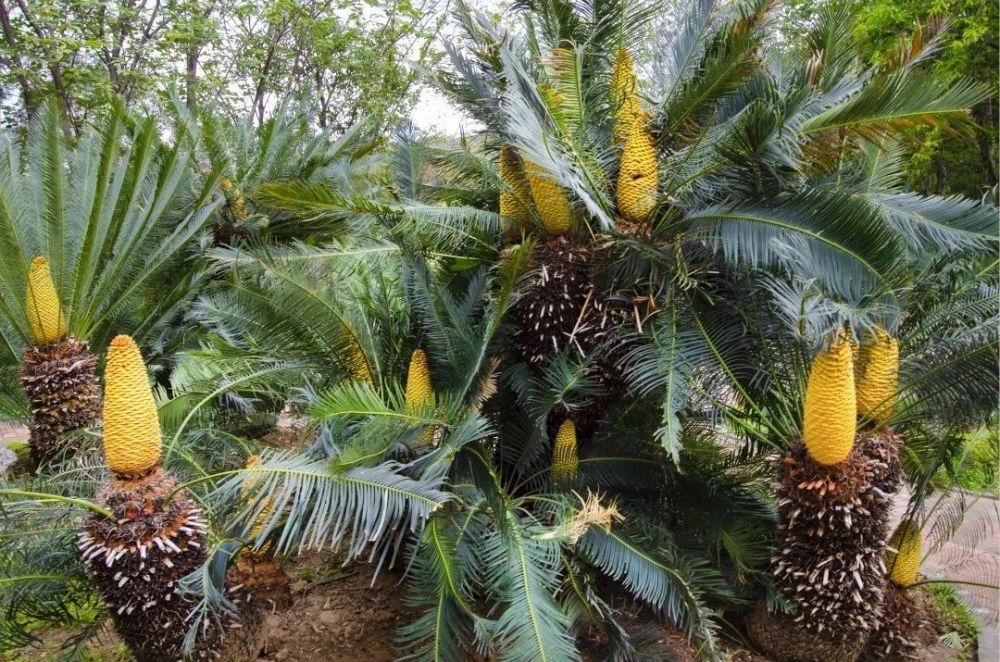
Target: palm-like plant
pixel 86 228
pixel 651 294
pixel 254 161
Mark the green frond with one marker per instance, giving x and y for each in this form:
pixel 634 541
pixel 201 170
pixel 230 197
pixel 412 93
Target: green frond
pixel 661 577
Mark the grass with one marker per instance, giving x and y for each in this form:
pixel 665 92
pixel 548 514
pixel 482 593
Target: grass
pixel 959 627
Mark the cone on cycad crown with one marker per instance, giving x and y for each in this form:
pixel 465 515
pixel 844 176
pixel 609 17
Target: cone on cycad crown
pixel 904 563
pixel 637 175
pixel 828 425
pixel 624 98
pixel 564 454
pixel 246 491
pixel 878 377
pixel 356 363
pixel 550 200
pixel 419 393
pixel 155 536
pixel 131 424
pixel 41 304
pixel 515 197
pixel 57 372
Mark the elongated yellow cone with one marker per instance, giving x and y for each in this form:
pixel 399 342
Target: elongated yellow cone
pixel 624 98
pixel 564 454
pixel 904 562
pixel 419 393
pixel 637 175
pixel 878 377
pixel 550 201
pixel 42 304
pixel 418 381
pixel 131 424
pixel 514 202
pixel 356 363
pixel 828 425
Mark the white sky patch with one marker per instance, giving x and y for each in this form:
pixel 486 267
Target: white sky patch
pixel 435 113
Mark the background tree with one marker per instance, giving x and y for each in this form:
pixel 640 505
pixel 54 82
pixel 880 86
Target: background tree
pixel 351 59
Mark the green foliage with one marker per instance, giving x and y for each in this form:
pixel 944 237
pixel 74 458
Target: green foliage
pixel 348 59
pixel 954 614
pixel 111 212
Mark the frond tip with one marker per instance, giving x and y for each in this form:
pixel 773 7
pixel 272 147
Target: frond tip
pixel 131 424
pixel 42 304
pixel 829 419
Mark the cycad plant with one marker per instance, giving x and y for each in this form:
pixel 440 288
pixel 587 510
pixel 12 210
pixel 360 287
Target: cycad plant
pixel 606 385
pixel 834 500
pixel 85 229
pixel 152 534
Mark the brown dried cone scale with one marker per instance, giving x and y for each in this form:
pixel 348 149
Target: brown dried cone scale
pixel 155 537
pixel 57 373
pixel 828 562
pixel 564 306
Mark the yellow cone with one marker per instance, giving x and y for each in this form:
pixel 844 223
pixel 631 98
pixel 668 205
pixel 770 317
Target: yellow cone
pixel 830 410
pixel 878 377
pixel 356 363
pixel 550 201
pixel 637 176
pixel 564 454
pixel 42 304
pixel 514 202
pixel 247 491
pixel 419 393
pixel 904 562
pixel 131 424
pixel 624 98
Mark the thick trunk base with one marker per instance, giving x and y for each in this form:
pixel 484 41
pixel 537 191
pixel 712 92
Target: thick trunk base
pixel 137 561
pixel 784 640
pixel 60 382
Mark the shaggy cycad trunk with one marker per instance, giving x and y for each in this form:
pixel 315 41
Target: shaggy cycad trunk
pixel 828 562
pixel 256 568
pixel 903 617
pixel 137 558
pixel 58 371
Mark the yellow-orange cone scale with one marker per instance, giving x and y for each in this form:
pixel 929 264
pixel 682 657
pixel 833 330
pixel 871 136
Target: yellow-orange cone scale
pixel 131 425
pixel 637 175
pixel 828 425
pixel 878 377
pixel 42 304
pixel 550 201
